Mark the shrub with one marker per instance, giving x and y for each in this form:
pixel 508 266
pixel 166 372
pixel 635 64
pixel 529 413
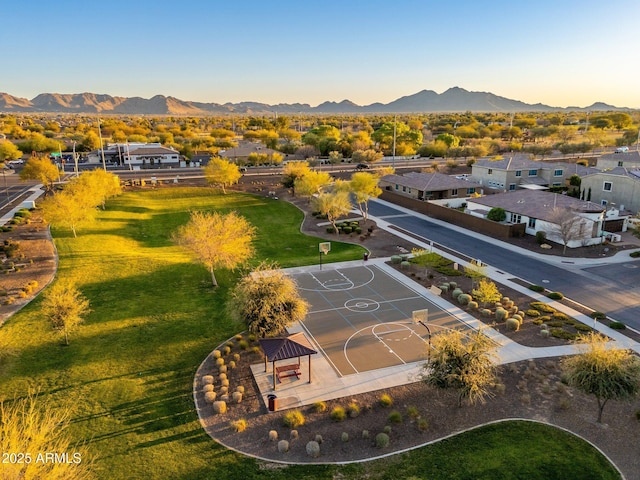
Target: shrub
pixel 412 412
pixel 331 230
pixel 232 364
pixel 464 299
pixel 638 415
pixel 386 400
pixel 444 288
pixel 313 449
pixel 237 397
pixel 353 409
pixel 217 354
pixel 239 425
pixel 561 333
pixel 396 259
pixel 236 357
pixel 283 446
pixel 448 271
pixel 210 397
pixel 338 414
pixel 555 323
pixel 536 288
pixel 617 325
pixel 293 419
pixel 485 312
pixel 219 362
pixel 222 376
pixel 561 316
pixel 542 307
pixel 344 437
pixel 318 438
pixel 240 389
pixel 497 214
pixel 219 406
pixel 222 368
pixel 532 313
pixel 555 296
pixel 405 264
pixel 518 317
pixel 207 388
pixel 227 349
pixel 387 429
pixel 319 407
pixel 598 315
pixel 544 333
pixel 365 434
pixel 581 327
pixel 273 435
pixel 293 435
pixel 456 293
pixel 207 379
pixel 472 305
pixel 395 417
pixel 423 424
pixel 382 440
pixel 243 344
pixel 513 324
pixel 541 237
pixel 453 285
pixel 501 314
pixel 347 230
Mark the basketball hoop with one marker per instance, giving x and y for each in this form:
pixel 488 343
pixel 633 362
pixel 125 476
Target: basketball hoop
pixel 323 247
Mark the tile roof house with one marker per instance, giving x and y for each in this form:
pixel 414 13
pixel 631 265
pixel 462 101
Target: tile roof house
pixel 540 211
pixel 145 155
pixel 429 186
pixel 629 160
pixel 519 171
pixel 619 187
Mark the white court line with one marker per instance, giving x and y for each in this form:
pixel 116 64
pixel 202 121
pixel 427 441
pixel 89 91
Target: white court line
pixel 380 303
pixel 353 284
pixel 326 355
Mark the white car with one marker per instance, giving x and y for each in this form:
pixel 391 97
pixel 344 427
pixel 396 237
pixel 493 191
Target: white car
pixel 15 162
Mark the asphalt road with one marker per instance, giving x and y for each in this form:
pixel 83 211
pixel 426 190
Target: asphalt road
pixel 613 289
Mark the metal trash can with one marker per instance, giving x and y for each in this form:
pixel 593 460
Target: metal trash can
pixel 365 257
pixel 272 402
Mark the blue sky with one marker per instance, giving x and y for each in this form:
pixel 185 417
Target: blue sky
pixel 557 52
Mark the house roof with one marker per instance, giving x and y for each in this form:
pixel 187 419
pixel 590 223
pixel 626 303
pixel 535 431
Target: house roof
pixel 432 182
pixel 537 204
pixel 245 148
pixel 626 157
pixel 515 162
pixel 632 173
pixel 282 348
pixel 153 151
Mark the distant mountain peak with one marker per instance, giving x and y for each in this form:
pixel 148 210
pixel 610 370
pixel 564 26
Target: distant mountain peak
pixel 454 99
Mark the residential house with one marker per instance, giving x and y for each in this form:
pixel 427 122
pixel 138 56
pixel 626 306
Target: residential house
pixel 618 187
pixel 429 186
pixel 516 172
pixel 630 160
pixel 539 210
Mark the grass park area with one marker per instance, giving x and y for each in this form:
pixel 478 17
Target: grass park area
pixel 128 371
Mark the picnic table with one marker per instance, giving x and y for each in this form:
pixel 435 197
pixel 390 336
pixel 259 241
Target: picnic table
pixel 291 370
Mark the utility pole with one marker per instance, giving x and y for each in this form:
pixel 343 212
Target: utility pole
pixel 104 164
pixel 395 120
pixel 75 159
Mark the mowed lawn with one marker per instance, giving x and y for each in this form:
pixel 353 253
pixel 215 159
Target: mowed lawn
pixel 129 369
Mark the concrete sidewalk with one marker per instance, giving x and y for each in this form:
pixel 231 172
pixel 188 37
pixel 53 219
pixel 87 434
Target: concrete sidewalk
pixel 35 193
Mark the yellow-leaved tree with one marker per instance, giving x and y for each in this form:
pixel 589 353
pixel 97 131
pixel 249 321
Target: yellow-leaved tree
pixel 217 240
pixel 222 173
pixel 65 307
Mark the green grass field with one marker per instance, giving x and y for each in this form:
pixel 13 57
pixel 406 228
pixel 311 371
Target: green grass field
pixel 129 369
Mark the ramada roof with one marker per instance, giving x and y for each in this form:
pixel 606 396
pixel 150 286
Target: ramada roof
pixel 536 203
pixel 429 182
pixel 510 163
pixel 153 151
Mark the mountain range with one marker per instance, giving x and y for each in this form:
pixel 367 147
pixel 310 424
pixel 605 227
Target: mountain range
pixel 455 99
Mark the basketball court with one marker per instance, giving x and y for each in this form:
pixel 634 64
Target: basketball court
pixel 362 318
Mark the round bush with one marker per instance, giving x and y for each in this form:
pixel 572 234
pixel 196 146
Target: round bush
pixel 464 299
pixel 240 389
pixel 456 293
pixel 319 407
pixel 386 400
pixel 239 425
pixel 617 325
pixel 544 333
pixel 353 409
pixel 219 406
pixel 222 368
pixel 423 424
pixel 501 314
pixel 453 285
pixel 347 230
pixel 225 382
pixel 382 440
pixel 485 312
pixel 283 446
pixel 396 259
pixel 532 313
pixel 217 354
pixel 395 417
pixel 225 397
pixel 210 397
pixel 293 435
pixel 237 397
pixel 555 296
pixel 313 449
pixel 273 435
pixel 207 388
pixel 472 305
pixel 344 437
pixel 222 376
pixel 219 362
pixel 338 414
pixel 207 380
pixel 318 438
pixel 536 288
pixel 293 419
pixel 513 324
pixel 365 433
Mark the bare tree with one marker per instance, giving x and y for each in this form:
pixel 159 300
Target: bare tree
pixel 567 225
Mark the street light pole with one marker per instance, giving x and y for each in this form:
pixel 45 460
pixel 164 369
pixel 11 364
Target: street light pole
pixel 75 159
pixel 104 164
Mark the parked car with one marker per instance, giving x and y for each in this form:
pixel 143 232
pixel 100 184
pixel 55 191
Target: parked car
pixel 15 162
pixel 362 166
